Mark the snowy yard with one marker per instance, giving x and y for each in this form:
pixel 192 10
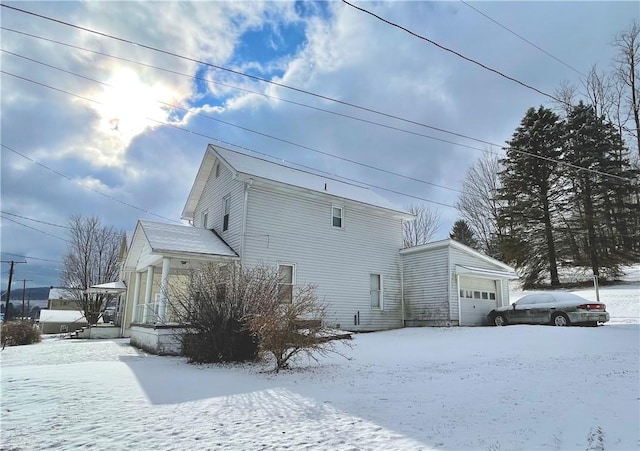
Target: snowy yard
pixel 518 387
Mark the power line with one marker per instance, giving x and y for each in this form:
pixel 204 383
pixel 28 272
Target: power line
pixel 33 228
pixel 329 154
pixel 32 258
pixel 268 96
pixel 524 152
pixel 208 137
pixel 523 38
pixel 254 77
pixel 34 220
pixel 484 66
pixel 461 135
pixel 81 184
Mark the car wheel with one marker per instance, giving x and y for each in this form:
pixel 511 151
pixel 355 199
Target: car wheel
pixel 500 320
pixel 560 319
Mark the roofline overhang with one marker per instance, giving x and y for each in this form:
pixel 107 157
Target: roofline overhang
pixel 459 246
pixel 249 178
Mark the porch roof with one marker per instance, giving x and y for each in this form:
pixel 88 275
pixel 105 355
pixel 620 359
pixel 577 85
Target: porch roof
pixel 153 240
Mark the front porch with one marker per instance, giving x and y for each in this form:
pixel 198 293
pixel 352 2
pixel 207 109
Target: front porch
pixel 157 339
pixel 158 266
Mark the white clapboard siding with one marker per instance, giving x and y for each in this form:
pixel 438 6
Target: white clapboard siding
pixel 286 226
pixel 215 190
pixel 426 295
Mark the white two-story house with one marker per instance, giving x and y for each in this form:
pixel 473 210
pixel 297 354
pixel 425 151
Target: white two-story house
pixel 339 236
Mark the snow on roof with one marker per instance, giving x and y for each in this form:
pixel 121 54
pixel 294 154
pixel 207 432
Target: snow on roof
pixel 61 316
pixel 250 166
pixel 187 239
pixel 278 172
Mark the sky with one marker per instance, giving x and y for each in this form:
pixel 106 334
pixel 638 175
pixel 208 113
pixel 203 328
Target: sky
pixel 97 126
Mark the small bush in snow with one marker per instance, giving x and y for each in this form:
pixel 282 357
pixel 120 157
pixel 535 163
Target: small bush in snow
pixel 15 334
pixel 232 313
pixel 214 308
pixel 285 329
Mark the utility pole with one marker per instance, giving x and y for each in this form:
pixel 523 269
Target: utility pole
pixel 24 288
pixel 6 306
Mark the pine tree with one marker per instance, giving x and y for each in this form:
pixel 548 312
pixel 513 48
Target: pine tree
pixel 462 233
pixel 602 221
pixel 532 195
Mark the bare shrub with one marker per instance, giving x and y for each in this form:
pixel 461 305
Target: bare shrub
pixel 214 307
pixel 232 313
pixel 16 334
pixel 286 329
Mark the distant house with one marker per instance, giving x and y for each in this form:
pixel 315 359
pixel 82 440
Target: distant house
pixel 61 321
pixel 61 299
pixel 337 235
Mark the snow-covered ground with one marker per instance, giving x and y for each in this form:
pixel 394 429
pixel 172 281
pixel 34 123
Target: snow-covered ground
pixel 484 388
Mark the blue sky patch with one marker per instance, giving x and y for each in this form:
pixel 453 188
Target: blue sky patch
pixel 267 46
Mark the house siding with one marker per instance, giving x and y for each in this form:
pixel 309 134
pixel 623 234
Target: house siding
pixel 293 227
pixel 426 297
pixel 215 190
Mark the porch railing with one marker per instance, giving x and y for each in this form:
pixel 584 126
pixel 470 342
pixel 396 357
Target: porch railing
pixel 152 313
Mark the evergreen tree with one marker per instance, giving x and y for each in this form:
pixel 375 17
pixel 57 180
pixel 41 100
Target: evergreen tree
pixel 462 233
pixel 532 194
pixel 602 221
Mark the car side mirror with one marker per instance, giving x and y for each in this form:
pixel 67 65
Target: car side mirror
pixel 514 305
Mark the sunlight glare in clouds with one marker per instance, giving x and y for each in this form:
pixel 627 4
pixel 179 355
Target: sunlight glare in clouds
pixel 127 104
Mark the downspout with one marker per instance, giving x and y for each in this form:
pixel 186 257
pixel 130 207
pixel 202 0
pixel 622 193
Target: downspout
pixel 247 185
pixel 459 307
pixel 402 289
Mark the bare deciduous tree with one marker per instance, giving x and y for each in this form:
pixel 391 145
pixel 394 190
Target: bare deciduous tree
pixel 91 259
pixel 599 90
pixel 422 229
pixel 567 93
pixel 628 72
pixel 478 204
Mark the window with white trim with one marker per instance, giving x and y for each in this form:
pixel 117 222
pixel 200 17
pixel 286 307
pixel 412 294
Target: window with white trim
pixel 226 208
pixel 217 170
pixel 286 280
pixel 337 217
pixel 375 290
pixel 205 219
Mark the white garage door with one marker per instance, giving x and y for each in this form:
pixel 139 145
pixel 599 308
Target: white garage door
pixel 477 298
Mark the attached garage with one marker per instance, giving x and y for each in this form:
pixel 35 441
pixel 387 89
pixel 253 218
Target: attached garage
pixel 447 283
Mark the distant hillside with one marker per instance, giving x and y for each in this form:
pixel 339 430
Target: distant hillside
pixel 34 294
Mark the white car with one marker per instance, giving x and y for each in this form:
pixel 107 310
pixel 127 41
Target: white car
pixel 556 308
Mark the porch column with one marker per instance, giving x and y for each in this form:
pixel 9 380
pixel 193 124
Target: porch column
pixel 147 294
pixel 136 298
pixel 164 288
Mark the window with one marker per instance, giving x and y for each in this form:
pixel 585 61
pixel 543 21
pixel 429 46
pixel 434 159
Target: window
pixel 217 170
pixel 485 295
pixel 226 207
pixel 205 219
pixel 476 295
pixel 376 290
pixel 492 296
pixel 286 277
pixel 337 216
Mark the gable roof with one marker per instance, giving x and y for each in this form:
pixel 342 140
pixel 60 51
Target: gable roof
pixel 456 245
pixel 245 167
